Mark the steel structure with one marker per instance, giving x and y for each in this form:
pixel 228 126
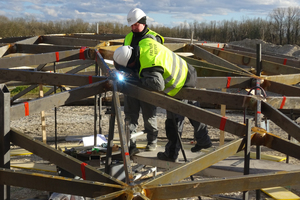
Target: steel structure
pixel 217 68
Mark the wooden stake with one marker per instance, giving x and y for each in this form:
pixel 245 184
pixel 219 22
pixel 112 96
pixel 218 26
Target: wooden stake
pixel 223 113
pixel 43 117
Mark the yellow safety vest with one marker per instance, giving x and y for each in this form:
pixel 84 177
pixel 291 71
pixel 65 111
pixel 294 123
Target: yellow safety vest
pixel 129 36
pixel 153 53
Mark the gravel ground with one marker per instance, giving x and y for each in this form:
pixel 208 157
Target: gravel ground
pixel 79 120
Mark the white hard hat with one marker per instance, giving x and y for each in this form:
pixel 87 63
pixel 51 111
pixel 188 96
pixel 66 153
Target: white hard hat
pixel 134 16
pixel 122 55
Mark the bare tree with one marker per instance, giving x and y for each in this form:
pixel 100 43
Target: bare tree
pixel 290 19
pixel 277 17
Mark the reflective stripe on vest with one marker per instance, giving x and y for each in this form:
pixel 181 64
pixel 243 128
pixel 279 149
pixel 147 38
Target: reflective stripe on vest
pixel 167 80
pixel 154 54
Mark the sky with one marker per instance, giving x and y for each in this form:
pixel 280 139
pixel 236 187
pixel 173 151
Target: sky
pixel 168 13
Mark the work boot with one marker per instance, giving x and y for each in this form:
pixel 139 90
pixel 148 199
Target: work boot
pixel 151 146
pixel 197 148
pixel 163 156
pixel 133 151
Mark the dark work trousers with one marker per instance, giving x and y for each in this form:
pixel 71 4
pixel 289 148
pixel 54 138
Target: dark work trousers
pixel 132 108
pixel 172 148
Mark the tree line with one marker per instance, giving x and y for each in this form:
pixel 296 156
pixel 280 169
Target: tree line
pixel 281 26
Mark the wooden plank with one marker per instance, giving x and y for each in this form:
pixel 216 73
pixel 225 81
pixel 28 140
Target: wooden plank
pixel 280 193
pixel 223 113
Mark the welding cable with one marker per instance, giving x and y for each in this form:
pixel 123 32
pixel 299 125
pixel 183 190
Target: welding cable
pixel 181 146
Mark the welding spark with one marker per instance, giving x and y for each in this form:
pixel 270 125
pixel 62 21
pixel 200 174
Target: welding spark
pixel 120 77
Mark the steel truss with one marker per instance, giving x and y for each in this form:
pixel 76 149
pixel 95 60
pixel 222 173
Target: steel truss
pixel 222 69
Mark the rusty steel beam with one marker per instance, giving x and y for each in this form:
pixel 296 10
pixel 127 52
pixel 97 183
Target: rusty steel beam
pixel 216 97
pixel 37 59
pixel 289 102
pixel 58 40
pixel 13 39
pixel 288 79
pixel 96 36
pixel 196 62
pixel 208 72
pixel 281 120
pixel 268 67
pixel 180 108
pixel 61 159
pixel 236 100
pixel 47 78
pixel 262 137
pixel 281 59
pixel 58 184
pixel 280 88
pixel 122 135
pixel 4 49
pixel 37 49
pixel 225 82
pixel 72 71
pixel 209 57
pixel 59 99
pixel 106 71
pixel 32 40
pixel 62 65
pixel 176 47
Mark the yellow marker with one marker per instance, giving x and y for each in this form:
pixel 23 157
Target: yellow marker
pixel 280 193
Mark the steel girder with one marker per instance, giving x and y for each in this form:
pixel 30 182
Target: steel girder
pixel 167 185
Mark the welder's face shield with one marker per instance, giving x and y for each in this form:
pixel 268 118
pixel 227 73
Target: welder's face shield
pixel 122 68
pixel 118 66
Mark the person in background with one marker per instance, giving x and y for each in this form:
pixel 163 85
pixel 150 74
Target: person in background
pixel 137 20
pixel 160 69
